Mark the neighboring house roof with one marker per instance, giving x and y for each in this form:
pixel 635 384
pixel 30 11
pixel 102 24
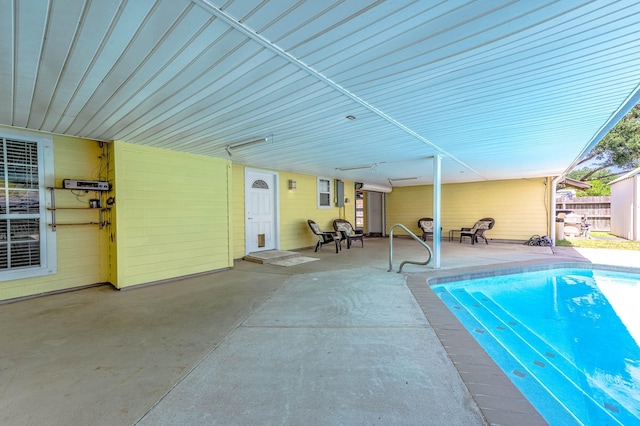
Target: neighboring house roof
pixel 626 176
pixel 498 89
pixel 573 183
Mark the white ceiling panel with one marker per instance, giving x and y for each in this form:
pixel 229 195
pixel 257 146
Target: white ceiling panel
pixel 500 89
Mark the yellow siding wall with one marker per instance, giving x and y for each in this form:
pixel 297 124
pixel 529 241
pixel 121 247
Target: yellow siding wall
pixel 520 207
pixel 172 211
pixel 296 206
pixel 80 249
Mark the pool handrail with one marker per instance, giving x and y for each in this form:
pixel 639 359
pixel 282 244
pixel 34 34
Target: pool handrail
pixel 415 237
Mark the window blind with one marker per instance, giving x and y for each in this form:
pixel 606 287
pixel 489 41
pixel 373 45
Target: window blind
pixel 19 204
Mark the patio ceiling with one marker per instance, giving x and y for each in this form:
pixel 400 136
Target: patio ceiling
pixel 499 89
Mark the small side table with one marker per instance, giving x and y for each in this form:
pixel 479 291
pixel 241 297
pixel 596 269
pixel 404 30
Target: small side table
pixel 452 234
pixel 337 237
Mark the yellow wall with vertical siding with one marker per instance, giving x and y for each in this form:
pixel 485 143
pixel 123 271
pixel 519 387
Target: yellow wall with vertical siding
pixel 520 207
pixel 172 214
pixel 81 249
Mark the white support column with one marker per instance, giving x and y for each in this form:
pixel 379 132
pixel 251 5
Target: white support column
pixel 384 214
pixel 437 231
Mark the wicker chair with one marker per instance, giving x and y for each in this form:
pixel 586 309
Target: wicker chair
pixel 426 224
pixel 347 232
pixel 324 237
pixel 478 230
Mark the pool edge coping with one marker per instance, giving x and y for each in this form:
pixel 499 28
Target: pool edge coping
pixel 518 269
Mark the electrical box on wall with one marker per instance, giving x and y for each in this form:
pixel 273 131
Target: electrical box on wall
pixel 93 185
pixel 339 193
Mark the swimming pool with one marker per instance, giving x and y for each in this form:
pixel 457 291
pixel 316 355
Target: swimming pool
pixel 568 339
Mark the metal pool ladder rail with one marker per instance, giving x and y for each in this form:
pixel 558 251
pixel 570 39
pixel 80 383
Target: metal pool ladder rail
pixel 415 237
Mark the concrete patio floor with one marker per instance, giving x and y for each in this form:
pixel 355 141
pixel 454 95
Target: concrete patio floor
pixel 334 341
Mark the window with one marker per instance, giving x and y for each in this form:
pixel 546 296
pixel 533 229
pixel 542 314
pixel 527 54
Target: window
pixel 27 244
pixel 324 193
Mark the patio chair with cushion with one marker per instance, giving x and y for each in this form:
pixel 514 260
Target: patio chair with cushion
pixel 347 232
pixel 478 230
pixel 324 237
pixel 426 224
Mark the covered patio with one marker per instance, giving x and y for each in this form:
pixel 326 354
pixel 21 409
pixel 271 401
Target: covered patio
pixel 176 104
pixel 180 106
pixel 336 340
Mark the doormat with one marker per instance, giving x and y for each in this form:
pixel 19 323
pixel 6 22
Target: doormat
pixel 293 261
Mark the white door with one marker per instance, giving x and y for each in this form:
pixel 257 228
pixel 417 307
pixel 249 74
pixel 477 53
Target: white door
pixel 260 210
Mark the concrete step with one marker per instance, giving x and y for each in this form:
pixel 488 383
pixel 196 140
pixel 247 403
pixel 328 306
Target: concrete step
pixel 270 256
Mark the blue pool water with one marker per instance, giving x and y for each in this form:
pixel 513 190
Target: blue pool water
pixel 568 338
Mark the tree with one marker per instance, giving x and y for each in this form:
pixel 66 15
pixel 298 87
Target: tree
pixel 605 175
pixel 619 149
pixel 599 181
pixel 598 189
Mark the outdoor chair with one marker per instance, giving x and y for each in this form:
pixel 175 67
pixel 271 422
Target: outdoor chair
pixel 347 232
pixel 324 237
pixel 478 230
pixel 426 224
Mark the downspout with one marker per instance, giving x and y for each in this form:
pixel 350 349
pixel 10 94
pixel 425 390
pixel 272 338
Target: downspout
pixel 552 230
pixel 635 220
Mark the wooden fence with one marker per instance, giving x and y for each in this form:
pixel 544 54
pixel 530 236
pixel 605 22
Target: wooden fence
pixel 596 209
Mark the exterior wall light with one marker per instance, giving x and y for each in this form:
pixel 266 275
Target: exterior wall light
pixel 292 184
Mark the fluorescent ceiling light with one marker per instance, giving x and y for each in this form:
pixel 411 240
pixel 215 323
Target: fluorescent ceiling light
pixel 402 179
pixel 365 166
pixel 245 144
pixel 375 188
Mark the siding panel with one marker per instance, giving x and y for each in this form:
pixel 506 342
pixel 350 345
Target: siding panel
pixel 172 214
pixel 518 206
pixel 625 208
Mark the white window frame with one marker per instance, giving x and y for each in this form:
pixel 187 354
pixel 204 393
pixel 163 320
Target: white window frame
pixel 321 191
pixel 48 256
